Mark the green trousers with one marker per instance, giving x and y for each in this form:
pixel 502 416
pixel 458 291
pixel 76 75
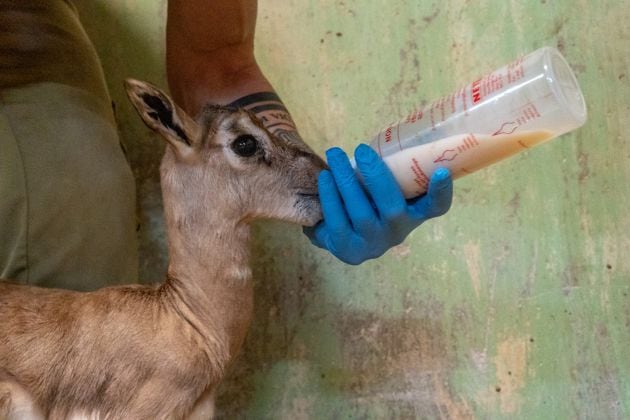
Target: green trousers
pixel 67 194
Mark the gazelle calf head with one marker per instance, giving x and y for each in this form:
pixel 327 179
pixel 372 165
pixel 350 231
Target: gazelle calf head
pixel 226 161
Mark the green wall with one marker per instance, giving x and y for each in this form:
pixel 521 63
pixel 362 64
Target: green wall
pixel 514 305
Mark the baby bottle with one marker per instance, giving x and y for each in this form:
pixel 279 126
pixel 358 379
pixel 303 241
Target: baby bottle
pixel 525 103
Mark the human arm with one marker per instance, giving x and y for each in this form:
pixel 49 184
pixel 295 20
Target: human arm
pixel 210 59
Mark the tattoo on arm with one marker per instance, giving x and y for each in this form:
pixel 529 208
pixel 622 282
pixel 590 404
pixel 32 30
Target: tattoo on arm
pixel 268 107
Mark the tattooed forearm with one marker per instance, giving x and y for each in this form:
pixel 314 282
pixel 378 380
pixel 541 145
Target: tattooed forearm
pixel 290 136
pixel 271 111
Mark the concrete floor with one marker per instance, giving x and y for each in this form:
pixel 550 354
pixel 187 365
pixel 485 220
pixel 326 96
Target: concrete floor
pixel 514 305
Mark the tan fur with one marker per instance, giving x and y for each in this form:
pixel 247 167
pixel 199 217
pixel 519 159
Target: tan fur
pixel 140 352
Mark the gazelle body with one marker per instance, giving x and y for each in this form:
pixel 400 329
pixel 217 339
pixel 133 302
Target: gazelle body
pixel 142 352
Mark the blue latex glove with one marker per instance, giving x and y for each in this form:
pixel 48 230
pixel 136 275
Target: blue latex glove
pixel 360 225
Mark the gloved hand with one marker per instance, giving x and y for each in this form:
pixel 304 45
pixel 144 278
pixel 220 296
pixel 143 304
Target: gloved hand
pixel 360 225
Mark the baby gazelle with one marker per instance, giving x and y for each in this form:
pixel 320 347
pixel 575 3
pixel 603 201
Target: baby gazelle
pixel 140 352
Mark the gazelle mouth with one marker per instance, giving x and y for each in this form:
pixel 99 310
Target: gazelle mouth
pixel 305 194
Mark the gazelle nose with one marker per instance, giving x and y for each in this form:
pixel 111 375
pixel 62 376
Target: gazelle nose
pixel 319 162
pixel 314 159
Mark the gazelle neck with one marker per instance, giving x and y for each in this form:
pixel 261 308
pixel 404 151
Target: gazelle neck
pixel 208 272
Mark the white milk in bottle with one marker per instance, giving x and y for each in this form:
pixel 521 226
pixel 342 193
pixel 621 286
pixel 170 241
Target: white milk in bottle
pixel 531 100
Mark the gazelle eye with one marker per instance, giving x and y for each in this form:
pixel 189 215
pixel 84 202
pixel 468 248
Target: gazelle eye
pixel 245 145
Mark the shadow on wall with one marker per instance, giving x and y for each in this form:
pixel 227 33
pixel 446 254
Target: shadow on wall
pixel 307 357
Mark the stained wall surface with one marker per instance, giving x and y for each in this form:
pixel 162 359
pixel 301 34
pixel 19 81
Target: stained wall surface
pixel 514 305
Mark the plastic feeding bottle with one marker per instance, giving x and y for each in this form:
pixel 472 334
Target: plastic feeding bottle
pixel 529 101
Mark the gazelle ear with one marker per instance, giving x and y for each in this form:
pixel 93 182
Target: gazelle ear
pixel 161 114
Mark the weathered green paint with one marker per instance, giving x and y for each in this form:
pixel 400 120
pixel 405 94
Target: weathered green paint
pixel 514 305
